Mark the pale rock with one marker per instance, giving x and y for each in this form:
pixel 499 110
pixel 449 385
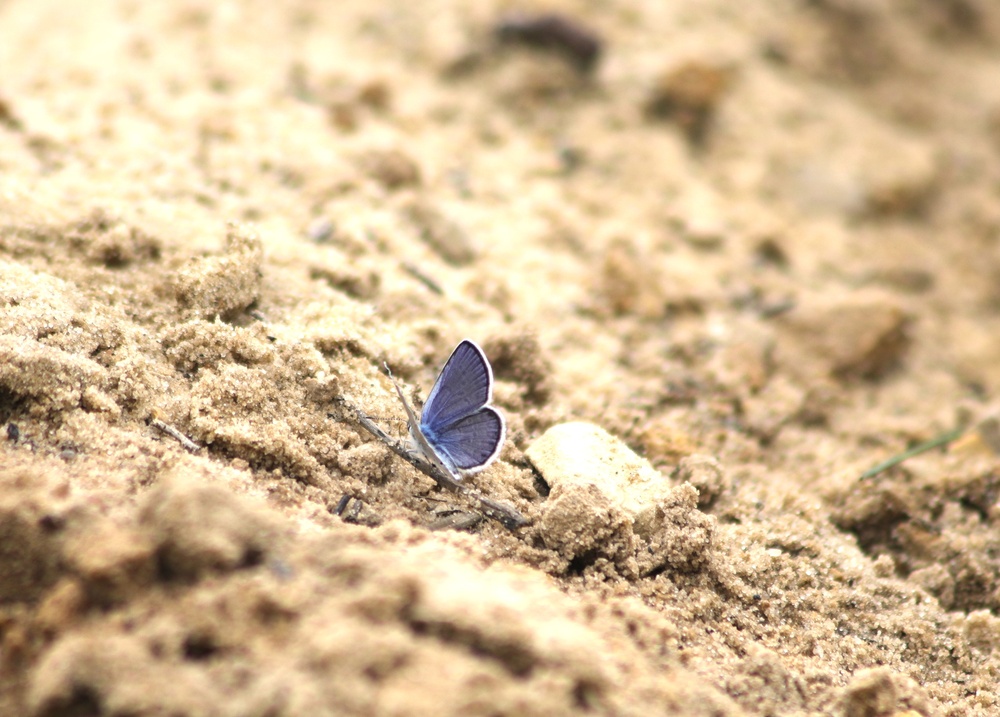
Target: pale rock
pixel 607 500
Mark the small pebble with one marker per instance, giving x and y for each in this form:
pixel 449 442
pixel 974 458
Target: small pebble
pixel 7 117
pixel 391 168
pixel 688 95
pixel 553 31
pixel 320 231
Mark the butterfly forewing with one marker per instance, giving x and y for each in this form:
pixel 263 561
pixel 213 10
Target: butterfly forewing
pixel 469 382
pixel 471 443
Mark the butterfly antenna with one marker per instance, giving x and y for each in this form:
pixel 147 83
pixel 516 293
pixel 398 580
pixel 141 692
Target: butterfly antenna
pixel 394 382
pixel 412 419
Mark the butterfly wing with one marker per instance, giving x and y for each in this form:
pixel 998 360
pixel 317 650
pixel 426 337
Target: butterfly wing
pixel 464 386
pixel 471 443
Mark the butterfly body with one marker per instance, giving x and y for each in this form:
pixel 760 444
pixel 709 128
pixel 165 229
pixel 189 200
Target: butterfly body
pixel 458 431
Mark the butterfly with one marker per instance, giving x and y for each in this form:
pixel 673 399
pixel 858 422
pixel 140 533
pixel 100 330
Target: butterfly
pixel 458 431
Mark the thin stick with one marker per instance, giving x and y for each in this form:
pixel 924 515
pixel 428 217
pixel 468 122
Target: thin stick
pixel 496 510
pixel 174 433
pixel 885 465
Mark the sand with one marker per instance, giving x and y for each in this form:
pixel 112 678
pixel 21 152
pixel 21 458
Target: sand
pixel 722 265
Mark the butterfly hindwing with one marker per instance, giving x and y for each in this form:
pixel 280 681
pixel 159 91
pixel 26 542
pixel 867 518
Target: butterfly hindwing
pixel 464 386
pixel 471 443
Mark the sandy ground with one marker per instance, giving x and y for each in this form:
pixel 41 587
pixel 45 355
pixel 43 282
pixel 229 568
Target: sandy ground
pixel 721 269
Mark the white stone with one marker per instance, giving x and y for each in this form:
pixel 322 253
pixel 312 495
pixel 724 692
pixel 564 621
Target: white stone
pixel 606 500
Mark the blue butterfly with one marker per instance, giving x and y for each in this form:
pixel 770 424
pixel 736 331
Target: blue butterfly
pixel 458 431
